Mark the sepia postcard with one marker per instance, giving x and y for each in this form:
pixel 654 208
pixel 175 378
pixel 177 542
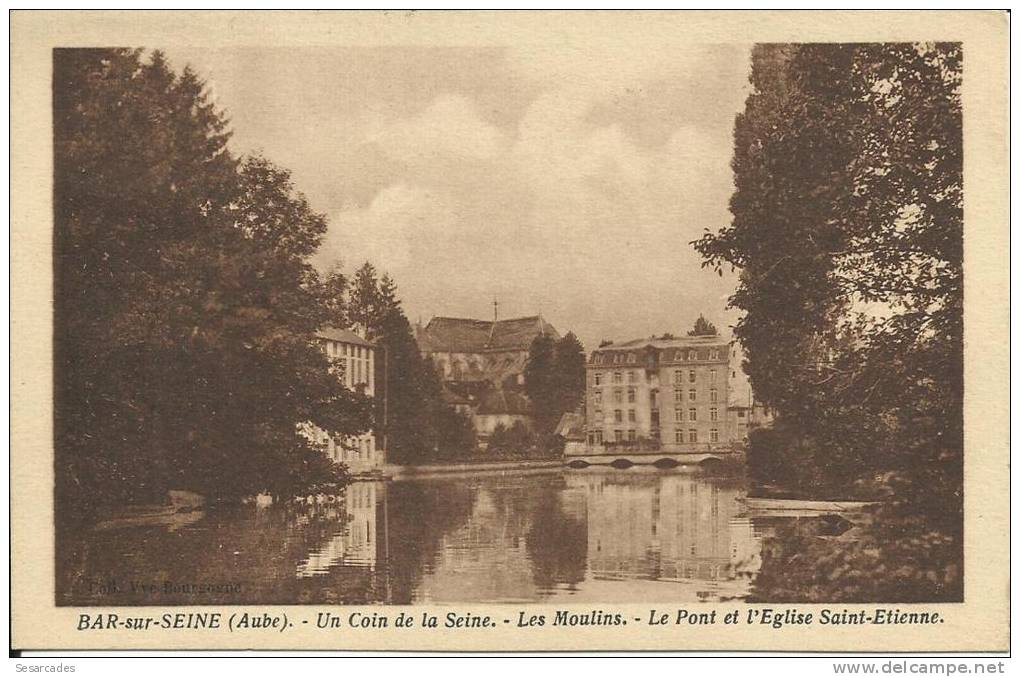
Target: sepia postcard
pixel 510 331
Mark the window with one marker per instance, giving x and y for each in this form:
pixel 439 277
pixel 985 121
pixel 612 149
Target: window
pixel 618 395
pixel 692 436
pixel 618 415
pixel 678 414
pixel 740 414
pixel 618 435
pixel 655 418
pixel 692 394
pixel 679 436
pixel 713 396
pixel 713 355
pixel 598 437
pixel 692 355
pixel 679 356
pixel 630 377
pixel 598 415
pixel 631 418
pixel 713 414
pixel 632 358
pixel 713 435
pixel 678 376
pixel 598 378
pixel 596 397
pixel 617 377
pixel 692 414
pixel 711 376
pixel 631 436
pixel 692 376
pixel 630 394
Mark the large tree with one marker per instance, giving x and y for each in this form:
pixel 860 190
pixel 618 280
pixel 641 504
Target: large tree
pixel 554 378
pixel 847 232
pixel 185 307
pixel 413 421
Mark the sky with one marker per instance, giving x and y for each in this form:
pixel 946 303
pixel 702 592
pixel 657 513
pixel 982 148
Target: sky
pixel 562 181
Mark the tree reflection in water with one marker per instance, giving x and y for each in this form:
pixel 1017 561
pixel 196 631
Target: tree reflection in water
pixel 586 536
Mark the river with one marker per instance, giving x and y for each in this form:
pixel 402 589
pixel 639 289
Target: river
pixel 564 536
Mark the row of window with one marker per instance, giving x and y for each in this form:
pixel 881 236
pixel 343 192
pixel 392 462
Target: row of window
pixel 678 414
pixel 338 349
pixel 631 358
pixel 692 376
pixel 361 449
pixel 632 376
pixel 691 437
pixel 678 395
pixel 692 395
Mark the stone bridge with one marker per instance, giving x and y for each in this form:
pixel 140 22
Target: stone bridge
pixel 625 458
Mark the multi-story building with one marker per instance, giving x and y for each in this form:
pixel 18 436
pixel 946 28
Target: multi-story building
pixel 662 393
pixel 355 359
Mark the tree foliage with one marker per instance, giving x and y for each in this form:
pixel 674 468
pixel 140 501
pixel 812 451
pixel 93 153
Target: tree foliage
pixel 415 422
pixel 185 306
pixel 847 232
pixel 554 378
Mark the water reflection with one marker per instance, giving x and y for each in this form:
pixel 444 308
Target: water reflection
pixel 577 536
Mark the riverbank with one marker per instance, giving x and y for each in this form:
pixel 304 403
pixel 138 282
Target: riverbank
pixel 477 467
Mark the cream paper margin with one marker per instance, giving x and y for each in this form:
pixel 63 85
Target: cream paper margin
pixel 980 623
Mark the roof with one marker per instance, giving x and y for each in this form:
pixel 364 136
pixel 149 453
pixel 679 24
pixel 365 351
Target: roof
pixel 571 426
pixel 342 335
pixel 665 343
pixel 498 401
pixel 462 335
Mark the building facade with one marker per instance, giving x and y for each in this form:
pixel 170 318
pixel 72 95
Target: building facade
pixel 354 360
pixel 669 394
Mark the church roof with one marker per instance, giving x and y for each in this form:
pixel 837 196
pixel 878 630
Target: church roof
pixel 460 335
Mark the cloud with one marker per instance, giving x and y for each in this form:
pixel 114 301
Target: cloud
pixel 565 179
pixel 450 126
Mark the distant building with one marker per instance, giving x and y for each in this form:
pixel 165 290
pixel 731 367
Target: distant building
pixel 500 407
pixel 356 358
pixel 571 430
pixel 481 364
pixel 671 394
pixel 469 352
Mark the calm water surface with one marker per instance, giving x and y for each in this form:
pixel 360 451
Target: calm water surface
pixel 565 536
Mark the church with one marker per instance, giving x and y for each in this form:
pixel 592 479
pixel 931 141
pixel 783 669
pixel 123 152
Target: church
pixel 481 364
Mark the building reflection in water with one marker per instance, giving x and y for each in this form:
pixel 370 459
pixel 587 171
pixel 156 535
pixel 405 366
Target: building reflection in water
pixel 669 528
pixel 359 517
pixel 588 535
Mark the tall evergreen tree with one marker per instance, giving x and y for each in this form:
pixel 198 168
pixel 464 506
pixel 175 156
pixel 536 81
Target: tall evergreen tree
pixel 413 421
pixel 554 378
pixel 570 372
